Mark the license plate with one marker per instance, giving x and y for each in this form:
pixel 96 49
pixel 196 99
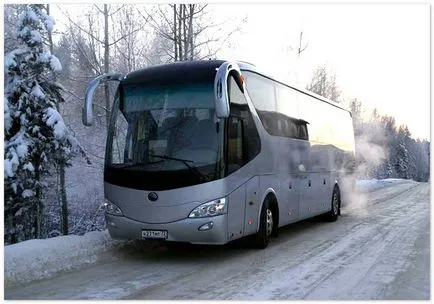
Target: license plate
pixel 154 234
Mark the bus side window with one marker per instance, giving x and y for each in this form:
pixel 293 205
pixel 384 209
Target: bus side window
pixel 235 144
pixel 241 130
pixel 302 134
pixel 293 129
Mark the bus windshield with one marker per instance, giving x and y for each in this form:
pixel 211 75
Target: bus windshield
pixel 164 134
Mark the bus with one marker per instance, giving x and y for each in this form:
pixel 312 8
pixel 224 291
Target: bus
pixel 211 151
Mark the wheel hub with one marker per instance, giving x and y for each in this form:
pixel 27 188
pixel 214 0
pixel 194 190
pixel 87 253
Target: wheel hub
pixel 335 203
pixel 269 221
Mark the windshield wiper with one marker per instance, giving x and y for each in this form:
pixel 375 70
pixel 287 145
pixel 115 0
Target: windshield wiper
pixel 184 161
pixel 131 165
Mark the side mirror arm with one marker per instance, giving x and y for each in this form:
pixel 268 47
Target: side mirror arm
pixel 87 110
pixel 221 93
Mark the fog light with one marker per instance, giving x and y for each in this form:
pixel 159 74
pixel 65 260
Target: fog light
pixel 206 226
pixel 111 223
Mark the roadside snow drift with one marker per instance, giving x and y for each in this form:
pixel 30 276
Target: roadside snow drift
pixel 40 259
pixel 373 184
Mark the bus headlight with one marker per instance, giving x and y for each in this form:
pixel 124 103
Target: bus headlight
pixel 212 208
pixel 111 208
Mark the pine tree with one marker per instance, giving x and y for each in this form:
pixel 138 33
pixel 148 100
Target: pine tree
pixel 389 171
pixel 402 164
pixel 35 134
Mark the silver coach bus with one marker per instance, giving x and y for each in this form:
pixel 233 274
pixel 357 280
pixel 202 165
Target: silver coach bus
pixel 210 151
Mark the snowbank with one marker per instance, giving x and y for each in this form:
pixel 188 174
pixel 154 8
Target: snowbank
pixel 40 259
pixel 373 184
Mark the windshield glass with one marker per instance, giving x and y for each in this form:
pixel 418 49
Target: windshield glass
pixel 166 132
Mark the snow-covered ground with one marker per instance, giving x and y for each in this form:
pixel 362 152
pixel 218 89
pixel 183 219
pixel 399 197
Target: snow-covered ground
pixel 309 260
pixel 39 259
pixel 373 184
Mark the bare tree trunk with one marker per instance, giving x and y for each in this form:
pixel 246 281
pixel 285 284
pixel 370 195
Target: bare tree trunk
pixel 64 200
pixel 106 65
pixel 174 33
pixel 190 31
pixel 61 171
pixel 187 32
pixel 186 41
pixel 180 33
pixel 12 237
pixel 39 208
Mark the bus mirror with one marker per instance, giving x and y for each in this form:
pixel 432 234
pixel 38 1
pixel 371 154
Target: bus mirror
pixel 87 111
pixel 221 94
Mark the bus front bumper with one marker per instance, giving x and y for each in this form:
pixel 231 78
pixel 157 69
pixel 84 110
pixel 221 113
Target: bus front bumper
pixel 185 230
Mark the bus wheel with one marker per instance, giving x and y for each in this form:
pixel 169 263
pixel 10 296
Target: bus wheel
pixel 266 225
pixel 332 215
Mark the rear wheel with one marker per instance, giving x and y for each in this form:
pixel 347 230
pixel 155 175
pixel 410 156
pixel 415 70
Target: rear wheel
pixel 332 215
pixel 266 227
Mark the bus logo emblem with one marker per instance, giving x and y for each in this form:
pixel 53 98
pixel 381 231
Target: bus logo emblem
pixel 152 196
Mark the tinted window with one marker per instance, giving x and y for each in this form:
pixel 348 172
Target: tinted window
pixel 302 131
pixel 277 107
pixel 327 124
pixel 235 157
pixel 320 116
pixel 242 136
pixel 286 100
pixel 261 91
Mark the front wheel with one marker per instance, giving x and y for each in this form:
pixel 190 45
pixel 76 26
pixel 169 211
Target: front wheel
pixel 266 227
pixel 332 215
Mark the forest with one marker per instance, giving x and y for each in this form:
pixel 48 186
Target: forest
pixel 53 173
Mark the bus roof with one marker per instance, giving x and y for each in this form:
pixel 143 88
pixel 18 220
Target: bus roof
pixel 183 71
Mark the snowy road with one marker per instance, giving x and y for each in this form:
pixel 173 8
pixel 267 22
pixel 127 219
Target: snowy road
pixel 379 251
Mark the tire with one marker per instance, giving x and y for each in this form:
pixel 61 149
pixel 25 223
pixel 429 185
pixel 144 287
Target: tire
pixel 334 212
pixel 275 231
pixel 266 227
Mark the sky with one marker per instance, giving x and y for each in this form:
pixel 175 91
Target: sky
pixel 380 53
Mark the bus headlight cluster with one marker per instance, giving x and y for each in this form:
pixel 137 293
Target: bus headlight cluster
pixel 111 208
pixel 212 208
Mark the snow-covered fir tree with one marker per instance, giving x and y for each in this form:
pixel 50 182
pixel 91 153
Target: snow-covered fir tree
pixel 402 165
pixel 389 170
pixel 35 134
